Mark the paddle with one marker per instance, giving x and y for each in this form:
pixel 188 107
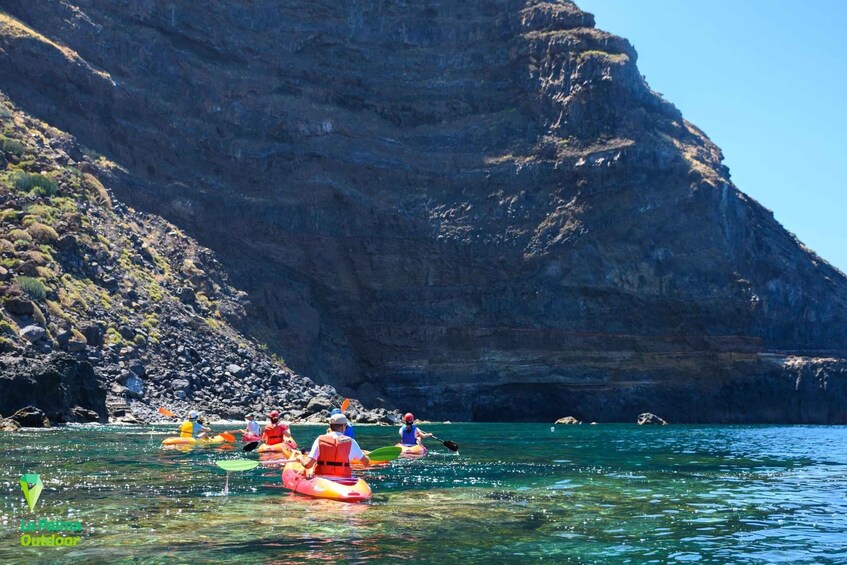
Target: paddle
pixel 250 446
pixel 237 464
pixel 451 445
pixel 345 404
pixel 228 437
pixel 229 465
pixel 165 412
pixel 385 454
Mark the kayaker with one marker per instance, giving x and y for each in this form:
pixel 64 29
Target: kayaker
pixel 252 432
pixel 276 431
pixel 192 427
pixel 348 431
pixel 333 451
pixel 410 434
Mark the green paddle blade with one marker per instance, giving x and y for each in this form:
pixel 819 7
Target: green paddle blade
pixel 384 454
pixel 237 464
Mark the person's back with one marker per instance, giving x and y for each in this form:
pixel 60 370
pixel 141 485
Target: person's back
pixel 408 434
pixel 191 427
pixel 187 429
pixel 332 452
pixel 334 455
pixel 275 431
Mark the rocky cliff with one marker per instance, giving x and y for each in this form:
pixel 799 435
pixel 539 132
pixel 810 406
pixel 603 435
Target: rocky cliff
pixel 107 311
pixel 476 209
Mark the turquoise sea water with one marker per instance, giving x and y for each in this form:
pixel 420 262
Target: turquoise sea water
pixel 514 493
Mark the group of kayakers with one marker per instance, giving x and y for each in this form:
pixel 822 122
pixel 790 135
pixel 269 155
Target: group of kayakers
pixel 331 452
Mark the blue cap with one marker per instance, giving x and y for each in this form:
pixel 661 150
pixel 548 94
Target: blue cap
pixel 335 411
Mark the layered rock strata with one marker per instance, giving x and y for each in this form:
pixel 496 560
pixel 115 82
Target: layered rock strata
pixel 478 209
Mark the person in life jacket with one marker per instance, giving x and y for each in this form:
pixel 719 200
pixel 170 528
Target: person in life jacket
pixel 252 432
pixel 410 434
pixel 332 452
pixel 192 427
pixel 348 431
pixel 277 432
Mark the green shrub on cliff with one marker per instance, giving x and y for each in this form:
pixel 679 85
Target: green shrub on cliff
pixel 42 232
pixel 39 185
pixel 17 234
pixel 33 287
pixel 13 147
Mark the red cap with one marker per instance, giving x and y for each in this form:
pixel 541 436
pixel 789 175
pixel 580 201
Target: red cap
pixel 274 414
pixel 409 417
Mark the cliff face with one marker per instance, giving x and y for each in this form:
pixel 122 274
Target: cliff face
pixel 476 209
pixel 106 311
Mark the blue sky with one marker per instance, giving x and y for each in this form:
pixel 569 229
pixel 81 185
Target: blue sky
pixel 767 81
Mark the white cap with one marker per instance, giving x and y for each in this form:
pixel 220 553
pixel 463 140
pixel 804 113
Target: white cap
pixel 338 419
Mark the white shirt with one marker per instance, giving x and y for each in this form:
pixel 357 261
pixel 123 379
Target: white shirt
pixel 253 428
pixel 355 450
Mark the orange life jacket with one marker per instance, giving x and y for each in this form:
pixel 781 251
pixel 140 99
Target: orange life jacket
pixel 334 456
pixel 274 434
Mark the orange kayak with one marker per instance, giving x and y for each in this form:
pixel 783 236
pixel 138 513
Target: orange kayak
pixel 278 447
pixel 412 451
pixel 352 489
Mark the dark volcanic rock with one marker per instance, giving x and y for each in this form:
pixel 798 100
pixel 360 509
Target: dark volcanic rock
pixel 30 417
pixel 477 208
pixel 56 386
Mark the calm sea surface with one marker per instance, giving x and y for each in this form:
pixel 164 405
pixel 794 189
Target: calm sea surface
pixel 514 493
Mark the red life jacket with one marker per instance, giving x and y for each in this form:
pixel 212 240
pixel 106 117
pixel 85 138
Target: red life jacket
pixel 274 434
pixel 334 456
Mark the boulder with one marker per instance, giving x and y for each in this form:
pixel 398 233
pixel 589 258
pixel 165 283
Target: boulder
pixel 84 414
pixel 318 404
pixel 33 333
pixel 93 334
pixel 568 420
pixel 55 384
pixel 63 337
pixel 137 368
pixel 648 418
pixel 7 425
pixel 30 417
pixel 236 370
pixel 20 306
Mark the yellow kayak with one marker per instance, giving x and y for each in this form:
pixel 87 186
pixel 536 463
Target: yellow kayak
pixel 192 442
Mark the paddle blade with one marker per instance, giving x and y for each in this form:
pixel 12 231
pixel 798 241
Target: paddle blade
pixel 237 464
pixel 228 436
pixel 250 446
pixel 384 454
pixel 345 404
pixel 165 412
pixel 451 445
